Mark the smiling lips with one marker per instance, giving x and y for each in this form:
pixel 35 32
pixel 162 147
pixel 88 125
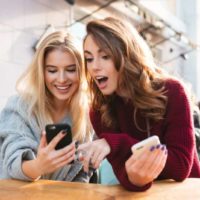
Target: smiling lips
pixel 63 89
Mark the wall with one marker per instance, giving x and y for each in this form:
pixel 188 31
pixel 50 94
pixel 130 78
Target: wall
pixel 23 21
pixel 191 18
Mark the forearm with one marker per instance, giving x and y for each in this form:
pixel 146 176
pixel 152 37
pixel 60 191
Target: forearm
pixel 31 169
pixel 120 145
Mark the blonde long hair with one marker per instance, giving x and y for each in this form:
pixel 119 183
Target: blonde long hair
pixel 139 77
pixel 32 89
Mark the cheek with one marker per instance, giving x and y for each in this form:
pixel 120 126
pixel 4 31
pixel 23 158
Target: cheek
pixel 89 69
pixel 48 78
pixel 75 79
pixel 116 79
pixel 73 76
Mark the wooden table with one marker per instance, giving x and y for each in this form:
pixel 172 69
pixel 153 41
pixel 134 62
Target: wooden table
pixel 57 190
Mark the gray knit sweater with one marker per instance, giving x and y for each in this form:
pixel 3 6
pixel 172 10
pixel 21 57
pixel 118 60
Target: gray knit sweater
pixel 19 140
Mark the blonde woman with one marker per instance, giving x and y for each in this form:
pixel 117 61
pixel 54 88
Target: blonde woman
pixel 132 100
pixel 51 90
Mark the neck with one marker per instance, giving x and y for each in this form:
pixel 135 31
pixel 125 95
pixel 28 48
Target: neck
pixel 123 94
pixel 59 110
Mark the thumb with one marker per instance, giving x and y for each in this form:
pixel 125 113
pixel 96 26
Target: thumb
pixel 43 141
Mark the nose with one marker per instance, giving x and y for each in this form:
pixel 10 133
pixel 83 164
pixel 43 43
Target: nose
pixel 96 65
pixel 62 77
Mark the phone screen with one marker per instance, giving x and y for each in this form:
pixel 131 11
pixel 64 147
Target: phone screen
pixel 53 129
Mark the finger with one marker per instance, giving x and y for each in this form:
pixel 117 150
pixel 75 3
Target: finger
pixel 43 141
pixel 65 158
pixel 65 150
pixel 98 160
pixel 86 161
pixel 56 140
pixel 142 162
pixel 160 161
pixel 149 160
pixel 160 168
pixel 153 163
pixel 98 156
pixel 131 160
pixel 83 146
pixel 65 162
pixel 95 155
pixel 80 155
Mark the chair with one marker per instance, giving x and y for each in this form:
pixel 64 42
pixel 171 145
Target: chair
pixel 106 174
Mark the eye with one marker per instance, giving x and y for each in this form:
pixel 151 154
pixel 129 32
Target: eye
pixel 88 60
pixel 71 70
pixel 106 57
pixel 52 71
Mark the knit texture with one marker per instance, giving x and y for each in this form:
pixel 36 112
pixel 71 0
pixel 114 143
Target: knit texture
pixel 176 131
pixel 19 140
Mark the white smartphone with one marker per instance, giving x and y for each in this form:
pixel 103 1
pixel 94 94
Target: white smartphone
pixel 139 148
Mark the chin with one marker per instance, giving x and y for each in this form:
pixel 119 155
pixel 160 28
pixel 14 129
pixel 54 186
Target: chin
pixel 107 93
pixel 62 97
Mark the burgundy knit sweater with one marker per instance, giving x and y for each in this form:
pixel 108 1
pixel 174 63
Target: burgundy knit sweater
pixel 175 131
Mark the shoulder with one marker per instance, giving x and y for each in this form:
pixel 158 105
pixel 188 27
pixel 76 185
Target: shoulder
pixel 15 104
pixel 172 85
pixel 177 94
pixel 14 100
pixel 175 88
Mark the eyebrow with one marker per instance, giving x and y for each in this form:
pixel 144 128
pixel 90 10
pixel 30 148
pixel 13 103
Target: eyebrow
pixel 71 65
pixel 88 52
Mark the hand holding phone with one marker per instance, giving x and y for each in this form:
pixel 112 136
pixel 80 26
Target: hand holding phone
pixel 53 129
pixel 140 147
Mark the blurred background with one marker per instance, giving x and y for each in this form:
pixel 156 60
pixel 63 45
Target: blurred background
pixel 170 27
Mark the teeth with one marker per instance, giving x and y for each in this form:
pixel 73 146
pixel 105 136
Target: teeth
pixel 99 77
pixel 63 87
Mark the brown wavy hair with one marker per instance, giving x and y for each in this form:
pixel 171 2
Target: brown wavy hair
pixel 140 80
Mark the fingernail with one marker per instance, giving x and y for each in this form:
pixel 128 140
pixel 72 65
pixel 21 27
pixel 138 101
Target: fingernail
pixel 152 148
pixel 166 152
pixel 76 144
pixel 64 132
pixel 158 146
pixel 163 147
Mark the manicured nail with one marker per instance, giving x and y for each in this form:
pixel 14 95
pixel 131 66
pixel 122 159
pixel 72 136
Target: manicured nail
pixel 64 132
pixel 76 144
pixel 152 148
pixel 163 147
pixel 158 146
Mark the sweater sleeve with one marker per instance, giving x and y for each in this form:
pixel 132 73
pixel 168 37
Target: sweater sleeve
pixel 17 142
pixel 120 145
pixel 178 134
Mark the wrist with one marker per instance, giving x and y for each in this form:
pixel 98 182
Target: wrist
pixel 37 168
pixel 138 183
pixel 31 169
pixel 107 145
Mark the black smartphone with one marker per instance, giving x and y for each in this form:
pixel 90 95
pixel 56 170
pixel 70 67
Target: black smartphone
pixel 53 129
